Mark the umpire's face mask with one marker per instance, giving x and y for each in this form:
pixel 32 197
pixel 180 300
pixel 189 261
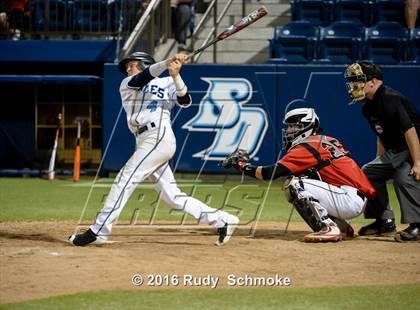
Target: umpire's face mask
pixel 356 90
pixel 356 81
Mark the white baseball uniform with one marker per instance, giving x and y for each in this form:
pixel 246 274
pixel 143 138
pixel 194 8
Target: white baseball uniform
pixel 147 101
pixel 341 202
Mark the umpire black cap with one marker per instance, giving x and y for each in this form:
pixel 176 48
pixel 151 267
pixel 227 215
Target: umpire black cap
pixel 143 58
pixel 371 70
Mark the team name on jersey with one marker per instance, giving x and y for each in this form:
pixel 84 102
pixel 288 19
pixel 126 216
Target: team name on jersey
pixel 155 90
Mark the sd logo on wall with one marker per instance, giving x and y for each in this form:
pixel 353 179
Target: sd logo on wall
pixel 222 111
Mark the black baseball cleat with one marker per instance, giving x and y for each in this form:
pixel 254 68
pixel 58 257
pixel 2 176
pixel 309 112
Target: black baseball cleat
pixel 410 234
pixel 226 231
pixel 88 237
pixel 379 227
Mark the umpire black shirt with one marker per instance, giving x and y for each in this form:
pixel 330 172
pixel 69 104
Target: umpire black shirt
pixel 390 115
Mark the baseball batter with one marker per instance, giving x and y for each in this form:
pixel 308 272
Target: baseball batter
pixel 339 194
pixel 147 101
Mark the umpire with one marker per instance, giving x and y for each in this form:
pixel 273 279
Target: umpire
pixel 396 123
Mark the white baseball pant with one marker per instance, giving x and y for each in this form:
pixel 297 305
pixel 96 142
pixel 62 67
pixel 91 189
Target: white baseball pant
pixel 154 148
pixel 341 202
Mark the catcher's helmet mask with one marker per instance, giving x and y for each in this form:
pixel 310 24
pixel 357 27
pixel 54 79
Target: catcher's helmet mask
pixel 301 123
pixel 357 75
pixel 144 60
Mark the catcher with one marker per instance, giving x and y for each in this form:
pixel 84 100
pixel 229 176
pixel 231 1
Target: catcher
pixel 327 203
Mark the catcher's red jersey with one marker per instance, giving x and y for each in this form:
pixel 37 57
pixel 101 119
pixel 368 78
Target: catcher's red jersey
pixel 329 156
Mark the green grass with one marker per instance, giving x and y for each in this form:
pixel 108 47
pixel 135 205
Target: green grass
pixel 405 297
pixel 35 199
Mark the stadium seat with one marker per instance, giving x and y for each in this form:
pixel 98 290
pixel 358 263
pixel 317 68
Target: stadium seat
pixel 414 46
pixel 318 12
pixel 58 17
pixel 353 10
pixel 294 43
pixel 386 43
pixel 341 42
pixel 90 15
pixel 390 10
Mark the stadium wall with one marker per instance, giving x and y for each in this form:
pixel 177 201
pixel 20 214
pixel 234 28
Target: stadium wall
pixel 27 51
pixel 244 105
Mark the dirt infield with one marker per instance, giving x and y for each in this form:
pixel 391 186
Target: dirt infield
pixel 37 262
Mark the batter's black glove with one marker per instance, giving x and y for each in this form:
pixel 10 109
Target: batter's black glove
pixel 237 160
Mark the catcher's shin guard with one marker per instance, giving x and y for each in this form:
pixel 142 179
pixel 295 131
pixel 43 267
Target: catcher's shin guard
pixel 306 209
pixel 290 191
pixel 304 206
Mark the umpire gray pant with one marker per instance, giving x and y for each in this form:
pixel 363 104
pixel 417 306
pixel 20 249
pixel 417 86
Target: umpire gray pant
pixel 395 165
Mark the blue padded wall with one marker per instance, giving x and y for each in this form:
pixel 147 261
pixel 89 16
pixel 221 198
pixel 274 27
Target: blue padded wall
pixel 259 95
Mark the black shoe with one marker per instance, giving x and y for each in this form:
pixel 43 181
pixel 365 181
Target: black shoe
pixel 379 227
pixel 88 237
pixel 410 234
pixel 226 231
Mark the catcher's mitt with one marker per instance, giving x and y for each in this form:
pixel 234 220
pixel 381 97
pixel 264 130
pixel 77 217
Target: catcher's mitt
pixel 234 159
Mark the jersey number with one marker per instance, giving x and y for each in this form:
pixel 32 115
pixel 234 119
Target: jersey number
pixel 335 148
pixel 152 106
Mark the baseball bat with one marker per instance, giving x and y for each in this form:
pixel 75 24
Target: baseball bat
pixel 51 167
pixel 244 22
pixel 76 168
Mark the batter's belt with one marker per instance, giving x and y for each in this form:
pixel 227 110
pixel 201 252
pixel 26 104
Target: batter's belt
pixel 145 128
